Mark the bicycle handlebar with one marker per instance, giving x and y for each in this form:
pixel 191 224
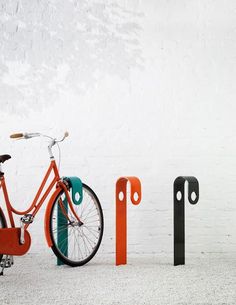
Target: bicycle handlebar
pixel 27 135
pixel 52 142
pixel 16 135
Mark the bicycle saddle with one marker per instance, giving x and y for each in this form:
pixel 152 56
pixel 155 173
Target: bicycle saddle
pixel 4 158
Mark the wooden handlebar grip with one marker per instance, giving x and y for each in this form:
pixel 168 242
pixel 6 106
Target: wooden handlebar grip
pixel 16 135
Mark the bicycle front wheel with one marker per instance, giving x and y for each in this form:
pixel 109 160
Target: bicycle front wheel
pixel 73 244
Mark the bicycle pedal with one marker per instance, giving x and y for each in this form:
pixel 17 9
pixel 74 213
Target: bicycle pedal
pixel 27 218
pixel 6 263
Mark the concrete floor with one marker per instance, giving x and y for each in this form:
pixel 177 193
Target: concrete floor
pixel 36 279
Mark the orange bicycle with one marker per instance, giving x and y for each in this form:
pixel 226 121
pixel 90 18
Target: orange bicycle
pixel 74 232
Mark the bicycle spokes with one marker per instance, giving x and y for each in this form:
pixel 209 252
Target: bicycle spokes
pixel 76 240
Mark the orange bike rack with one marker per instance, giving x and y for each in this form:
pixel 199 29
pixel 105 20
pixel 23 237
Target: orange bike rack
pixel 121 214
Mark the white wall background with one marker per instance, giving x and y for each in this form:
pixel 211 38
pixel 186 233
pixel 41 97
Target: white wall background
pixel 145 88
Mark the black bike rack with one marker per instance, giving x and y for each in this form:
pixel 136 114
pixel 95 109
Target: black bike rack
pixel 179 218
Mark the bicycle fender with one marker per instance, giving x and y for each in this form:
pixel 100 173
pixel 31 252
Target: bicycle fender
pixel 47 216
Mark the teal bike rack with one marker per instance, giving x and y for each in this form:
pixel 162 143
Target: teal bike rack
pixel 62 231
pixel 76 187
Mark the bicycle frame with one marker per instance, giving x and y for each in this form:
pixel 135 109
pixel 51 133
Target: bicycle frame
pixel 36 204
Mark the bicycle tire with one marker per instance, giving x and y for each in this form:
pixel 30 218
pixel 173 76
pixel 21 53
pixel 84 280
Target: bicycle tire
pixel 3 224
pixel 66 257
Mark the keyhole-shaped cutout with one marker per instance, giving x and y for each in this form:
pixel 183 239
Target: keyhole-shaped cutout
pixel 77 196
pixel 136 196
pixel 179 195
pixel 121 196
pixel 193 196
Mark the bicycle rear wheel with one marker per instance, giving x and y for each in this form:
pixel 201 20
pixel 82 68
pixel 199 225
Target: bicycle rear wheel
pixel 3 224
pixel 76 245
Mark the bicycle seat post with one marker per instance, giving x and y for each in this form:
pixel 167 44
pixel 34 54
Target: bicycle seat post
pixel 1 172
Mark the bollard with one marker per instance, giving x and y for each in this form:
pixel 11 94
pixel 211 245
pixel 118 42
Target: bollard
pixel 121 214
pixel 179 218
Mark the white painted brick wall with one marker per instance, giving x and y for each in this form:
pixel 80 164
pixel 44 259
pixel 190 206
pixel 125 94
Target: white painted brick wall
pixel 145 88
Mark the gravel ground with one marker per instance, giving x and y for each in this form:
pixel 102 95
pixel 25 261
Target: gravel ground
pixel 148 280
